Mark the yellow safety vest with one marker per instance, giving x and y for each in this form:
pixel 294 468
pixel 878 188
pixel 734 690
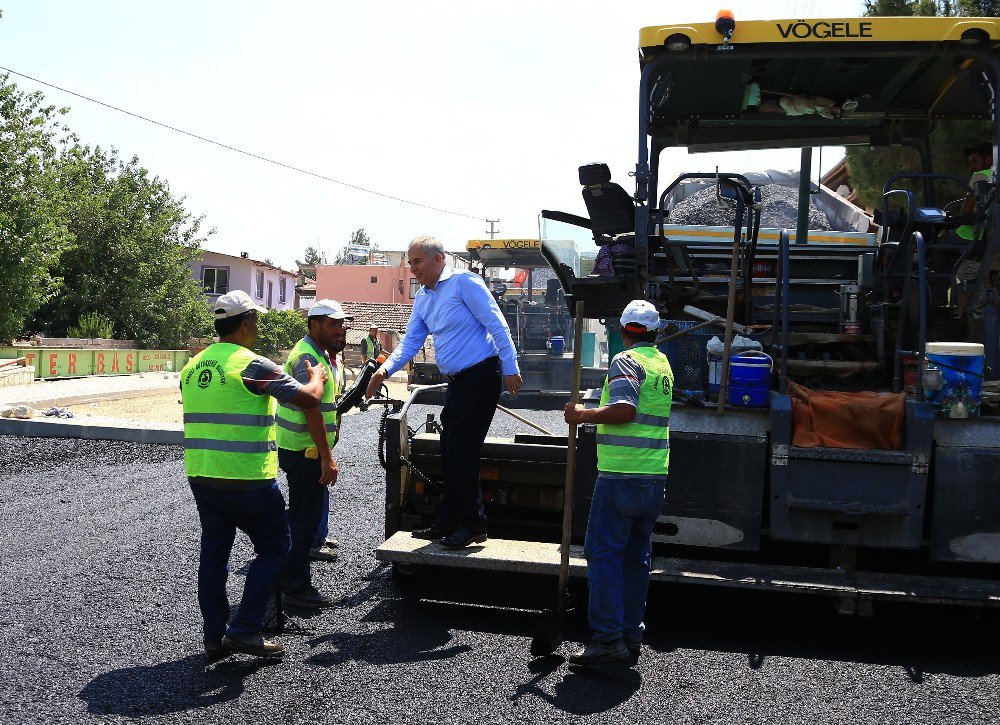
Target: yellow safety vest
pixel 293 434
pixel 228 430
pixel 968 231
pixel 372 347
pixel 641 446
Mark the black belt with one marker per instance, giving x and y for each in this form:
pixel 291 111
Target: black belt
pixel 490 361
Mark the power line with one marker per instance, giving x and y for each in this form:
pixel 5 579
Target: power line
pixel 242 151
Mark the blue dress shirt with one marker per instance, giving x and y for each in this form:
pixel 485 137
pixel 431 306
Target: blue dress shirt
pixel 465 321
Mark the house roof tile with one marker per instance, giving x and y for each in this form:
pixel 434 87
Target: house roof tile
pixel 383 315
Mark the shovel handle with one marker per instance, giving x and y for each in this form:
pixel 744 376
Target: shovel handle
pixel 524 420
pixel 567 526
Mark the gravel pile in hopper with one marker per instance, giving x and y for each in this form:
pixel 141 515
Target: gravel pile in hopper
pixel 780 209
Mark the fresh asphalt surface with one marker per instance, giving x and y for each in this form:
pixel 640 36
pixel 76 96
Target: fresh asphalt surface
pixel 99 623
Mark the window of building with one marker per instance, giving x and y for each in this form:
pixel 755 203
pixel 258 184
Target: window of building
pixel 414 286
pixel 281 290
pixel 215 280
pixel 374 279
pixel 260 284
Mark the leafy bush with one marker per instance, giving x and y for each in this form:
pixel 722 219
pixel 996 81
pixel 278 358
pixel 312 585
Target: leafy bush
pixel 93 324
pixel 279 330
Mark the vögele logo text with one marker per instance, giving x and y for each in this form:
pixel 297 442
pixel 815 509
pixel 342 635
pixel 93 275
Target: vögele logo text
pixel 825 29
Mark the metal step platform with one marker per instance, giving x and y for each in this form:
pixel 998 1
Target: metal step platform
pixel 530 557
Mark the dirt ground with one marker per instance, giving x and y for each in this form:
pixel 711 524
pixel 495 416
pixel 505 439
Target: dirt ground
pixel 160 408
pixel 163 407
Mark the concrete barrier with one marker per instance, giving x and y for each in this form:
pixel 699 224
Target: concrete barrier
pixel 52 363
pixel 16 375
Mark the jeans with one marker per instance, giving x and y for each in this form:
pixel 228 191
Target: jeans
pixel 323 530
pixel 260 514
pixel 618 548
pixel 305 508
pixel 469 406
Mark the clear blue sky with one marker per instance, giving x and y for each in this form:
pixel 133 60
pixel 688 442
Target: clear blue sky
pixel 482 108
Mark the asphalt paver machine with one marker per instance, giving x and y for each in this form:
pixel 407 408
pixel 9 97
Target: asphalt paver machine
pixel 752 501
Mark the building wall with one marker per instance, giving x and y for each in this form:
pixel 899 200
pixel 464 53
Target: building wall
pixel 242 275
pixel 353 283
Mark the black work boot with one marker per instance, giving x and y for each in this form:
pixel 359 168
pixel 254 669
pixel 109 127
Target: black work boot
pixel 600 653
pixel 252 644
pixel 307 597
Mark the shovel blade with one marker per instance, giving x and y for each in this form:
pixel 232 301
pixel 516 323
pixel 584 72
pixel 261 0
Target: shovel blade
pixel 550 632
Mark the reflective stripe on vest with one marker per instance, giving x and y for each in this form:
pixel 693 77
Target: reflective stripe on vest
pixel 968 231
pixel 324 407
pixel 641 446
pixel 228 430
pixel 293 432
pixel 229 419
pixel 207 444
pixel 372 347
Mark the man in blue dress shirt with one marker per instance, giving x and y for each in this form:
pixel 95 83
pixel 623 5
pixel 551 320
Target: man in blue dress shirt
pixel 474 350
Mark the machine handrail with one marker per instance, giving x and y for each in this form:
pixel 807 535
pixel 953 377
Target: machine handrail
pixel 915 240
pixel 910 210
pixel 416 392
pixel 783 277
pixel 567 218
pixel 914 175
pixel 712 175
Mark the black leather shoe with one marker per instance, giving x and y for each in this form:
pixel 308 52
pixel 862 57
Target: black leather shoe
pixel 307 597
pixel 462 538
pixel 252 644
pixel 600 653
pixel 634 649
pixel 214 648
pixel 432 533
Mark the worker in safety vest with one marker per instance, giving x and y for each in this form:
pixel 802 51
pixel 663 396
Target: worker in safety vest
pixel 633 450
pixel 305 448
pixel 231 461
pixel 371 348
pixel 980 159
pixel 324 547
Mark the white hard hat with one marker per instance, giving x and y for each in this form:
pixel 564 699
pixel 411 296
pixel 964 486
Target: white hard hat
pixel 640 313
pixel 329 308
pixel 233 304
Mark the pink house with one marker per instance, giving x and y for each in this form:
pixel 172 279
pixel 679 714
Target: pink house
pixel 365 283
pixel 390 283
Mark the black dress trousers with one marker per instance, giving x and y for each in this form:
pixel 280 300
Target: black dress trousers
pixel 469 406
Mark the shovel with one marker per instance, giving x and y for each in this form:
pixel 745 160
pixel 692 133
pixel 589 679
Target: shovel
pixel 552 625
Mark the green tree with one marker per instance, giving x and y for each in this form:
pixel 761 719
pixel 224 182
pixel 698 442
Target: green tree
pixel 33 233
pixel 889 8
pixel 360 238
pixel 979 8
pixel 130 262
pixel 312 257
pixel 93 324
pixel 897 8
pixel 279 330
pixel 358 250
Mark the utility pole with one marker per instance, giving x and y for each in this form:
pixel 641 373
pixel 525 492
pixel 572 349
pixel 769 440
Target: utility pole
pixel 492 231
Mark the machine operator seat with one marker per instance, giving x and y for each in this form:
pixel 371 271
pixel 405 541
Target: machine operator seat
pixel 611 209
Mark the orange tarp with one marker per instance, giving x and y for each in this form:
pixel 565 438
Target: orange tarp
pixel 826 419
